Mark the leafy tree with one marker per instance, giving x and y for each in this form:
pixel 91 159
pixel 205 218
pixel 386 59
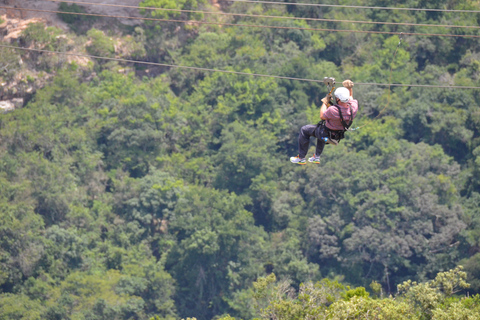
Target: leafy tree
pixel 175 6
pixel 217 250
pixel 9 63
pixel 360 219
pixel 430 300
pixel 22 245
pixel 14 306
pixel 471 267
pixel 466 308
pixel 430 295
pixel 101 45
pixel 73 16
pixel 40 36
pixel 133 47
pixel 150 201
pixel 142 121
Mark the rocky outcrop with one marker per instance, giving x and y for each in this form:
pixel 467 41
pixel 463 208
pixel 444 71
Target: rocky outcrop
pixel 117 8
pixel 11 28
pixel 10 105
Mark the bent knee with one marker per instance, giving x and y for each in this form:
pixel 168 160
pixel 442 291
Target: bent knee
pixel 307 130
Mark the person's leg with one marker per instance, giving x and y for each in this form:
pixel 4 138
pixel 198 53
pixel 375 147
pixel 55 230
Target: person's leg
pixel 319 148
pixel 304 139
pixel 321 133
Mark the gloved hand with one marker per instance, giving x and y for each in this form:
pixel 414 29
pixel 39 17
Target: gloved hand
pixel 327 98
pixel 348 84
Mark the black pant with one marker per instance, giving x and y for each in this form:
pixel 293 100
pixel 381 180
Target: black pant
pixel 311 130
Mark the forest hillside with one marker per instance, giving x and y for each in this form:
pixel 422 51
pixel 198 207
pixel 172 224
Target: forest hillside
pixel 145 173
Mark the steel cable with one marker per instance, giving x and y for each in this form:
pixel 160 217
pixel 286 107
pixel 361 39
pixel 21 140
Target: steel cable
pixel 266 16
pixel 229 71
pixel 355 7
pixel 248 25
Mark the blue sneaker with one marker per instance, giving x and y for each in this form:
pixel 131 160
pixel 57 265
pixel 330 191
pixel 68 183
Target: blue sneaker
pixel 314 159
pixel 298 160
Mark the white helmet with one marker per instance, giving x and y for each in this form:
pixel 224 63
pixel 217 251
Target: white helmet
pixel 343 94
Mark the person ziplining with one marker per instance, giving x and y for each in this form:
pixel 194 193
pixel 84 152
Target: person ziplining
pixel 335 117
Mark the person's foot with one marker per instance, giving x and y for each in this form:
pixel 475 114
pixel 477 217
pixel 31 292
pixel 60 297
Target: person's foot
pixel 314 159
pixel 298 160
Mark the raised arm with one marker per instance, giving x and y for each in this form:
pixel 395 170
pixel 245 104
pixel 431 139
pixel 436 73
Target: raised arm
pixel 349 85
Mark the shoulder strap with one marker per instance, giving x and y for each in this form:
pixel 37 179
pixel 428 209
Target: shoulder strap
pixel 344 123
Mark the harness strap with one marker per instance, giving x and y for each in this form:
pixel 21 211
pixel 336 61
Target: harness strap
pixel 338 134
pixel 344 123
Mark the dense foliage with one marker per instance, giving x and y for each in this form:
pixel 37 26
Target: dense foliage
pixel 130 190
pixel 331 300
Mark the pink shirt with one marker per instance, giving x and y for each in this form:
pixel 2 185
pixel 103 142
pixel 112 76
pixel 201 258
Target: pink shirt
pixel 332 116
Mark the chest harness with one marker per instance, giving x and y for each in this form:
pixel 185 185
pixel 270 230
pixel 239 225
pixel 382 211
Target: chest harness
pixel 334 136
